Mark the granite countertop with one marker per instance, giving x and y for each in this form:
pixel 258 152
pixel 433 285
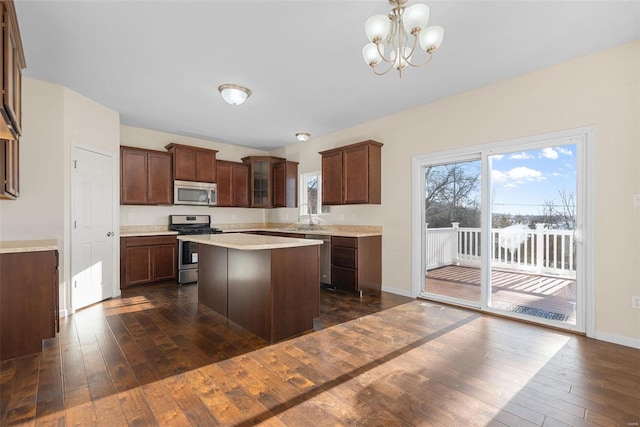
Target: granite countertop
pixel 249 242
pixel 16 246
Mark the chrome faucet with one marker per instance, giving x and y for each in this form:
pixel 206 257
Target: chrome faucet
pixel 309 212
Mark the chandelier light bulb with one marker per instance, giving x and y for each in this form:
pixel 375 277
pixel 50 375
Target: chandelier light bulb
pixel 371 55
pixel 377 28
pixel 431 38
pixel 415 18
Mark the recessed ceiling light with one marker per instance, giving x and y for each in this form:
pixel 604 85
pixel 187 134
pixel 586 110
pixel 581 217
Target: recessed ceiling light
pixel 234 94
pixel 303 136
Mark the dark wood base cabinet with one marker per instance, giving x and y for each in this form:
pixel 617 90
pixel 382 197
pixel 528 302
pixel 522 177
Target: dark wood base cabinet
pixel 28 301
pixel 273 293
pixel 148 259
pixel 356 263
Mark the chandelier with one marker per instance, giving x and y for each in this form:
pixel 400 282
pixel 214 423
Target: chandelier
pixel 401 32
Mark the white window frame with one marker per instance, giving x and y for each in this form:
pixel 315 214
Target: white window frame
pixel 303 211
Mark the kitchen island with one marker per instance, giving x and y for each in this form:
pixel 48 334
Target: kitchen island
pixel 269 285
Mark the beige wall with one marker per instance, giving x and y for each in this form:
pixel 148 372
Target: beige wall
pixel 54 119
pixel 602 89
pixel 39 211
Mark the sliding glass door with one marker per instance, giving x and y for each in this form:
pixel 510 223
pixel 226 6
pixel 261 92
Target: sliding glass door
pixel 533 261
pixel 501 229
pixel 452 211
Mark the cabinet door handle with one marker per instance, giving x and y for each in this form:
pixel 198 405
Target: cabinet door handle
pixel 111 233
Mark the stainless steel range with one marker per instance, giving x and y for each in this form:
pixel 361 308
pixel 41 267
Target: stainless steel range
pixel 188 251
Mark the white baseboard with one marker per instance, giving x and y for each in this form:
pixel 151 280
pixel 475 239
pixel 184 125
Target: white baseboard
pixel 63 313
pixel 397 291
pixel 617 339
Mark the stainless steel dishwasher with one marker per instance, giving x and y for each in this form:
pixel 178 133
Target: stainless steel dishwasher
pixel 325 257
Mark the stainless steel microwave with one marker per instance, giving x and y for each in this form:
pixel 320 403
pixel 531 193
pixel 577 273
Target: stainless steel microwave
pixel 195 193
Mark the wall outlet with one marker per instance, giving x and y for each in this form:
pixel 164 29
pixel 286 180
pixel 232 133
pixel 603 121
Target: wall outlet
pixel 636 200
pixel 130 217
pixel 635 302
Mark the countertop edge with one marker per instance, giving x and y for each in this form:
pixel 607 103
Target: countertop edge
pixel 318 232
pixel 257 243
pixel 149 234
pixel 22 246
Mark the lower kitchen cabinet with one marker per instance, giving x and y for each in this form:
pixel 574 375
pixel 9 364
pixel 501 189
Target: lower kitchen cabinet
pixel 28 301
pixel 356 263
pixel 147 259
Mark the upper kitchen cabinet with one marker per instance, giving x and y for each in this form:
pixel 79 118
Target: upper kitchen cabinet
pixel 9 168
pixel 352 174
pixel 261 180
pixel 145 177
pixel 233 184
pixel 193 163
pixel 11 64
pixel 285 184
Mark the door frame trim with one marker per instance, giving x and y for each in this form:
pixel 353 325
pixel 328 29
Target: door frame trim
pixel 586 159
pixel 115 182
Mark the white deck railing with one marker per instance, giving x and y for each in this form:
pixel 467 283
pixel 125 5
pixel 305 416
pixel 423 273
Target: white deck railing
pixel 540 251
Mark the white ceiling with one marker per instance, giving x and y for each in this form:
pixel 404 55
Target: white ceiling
pixel 159 63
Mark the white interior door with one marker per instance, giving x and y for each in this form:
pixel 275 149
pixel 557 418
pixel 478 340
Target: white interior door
pixel 91 228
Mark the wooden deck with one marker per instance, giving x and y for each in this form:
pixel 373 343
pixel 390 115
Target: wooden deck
pixel 540 296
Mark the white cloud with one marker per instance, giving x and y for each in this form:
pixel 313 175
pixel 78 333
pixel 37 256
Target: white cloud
pixel 516 176
pixel 498 176
pixel 497 157
pixel 549 153
pixel 524 173
pixel 564 151
pixel 521 156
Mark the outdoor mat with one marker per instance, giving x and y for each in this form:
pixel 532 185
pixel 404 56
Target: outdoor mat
pixel 529 310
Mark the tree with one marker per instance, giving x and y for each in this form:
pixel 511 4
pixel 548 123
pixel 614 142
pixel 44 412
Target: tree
pixel 561 216
pixel 452 194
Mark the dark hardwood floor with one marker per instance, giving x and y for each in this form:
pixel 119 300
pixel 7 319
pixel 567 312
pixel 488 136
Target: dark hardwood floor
pixel 155 357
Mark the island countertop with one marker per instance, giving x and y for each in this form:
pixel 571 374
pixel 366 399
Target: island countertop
pixel 249 242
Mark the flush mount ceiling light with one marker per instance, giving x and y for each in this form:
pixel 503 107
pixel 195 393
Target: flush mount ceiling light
pixel 400 33
pixel 303 136
pixel 234 94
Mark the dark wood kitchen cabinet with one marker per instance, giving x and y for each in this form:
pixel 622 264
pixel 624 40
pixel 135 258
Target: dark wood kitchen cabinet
pixel 356 263
pixel 148 259
pixel 352 174
pixel 28 301
pixel 11 64
pixel 261 180
pixel 193 163
pixel 233 184
pixel 10 168
pixel 285 184
pixel 145 177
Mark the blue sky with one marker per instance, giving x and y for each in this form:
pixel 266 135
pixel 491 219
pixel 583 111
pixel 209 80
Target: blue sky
pixel 523 181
